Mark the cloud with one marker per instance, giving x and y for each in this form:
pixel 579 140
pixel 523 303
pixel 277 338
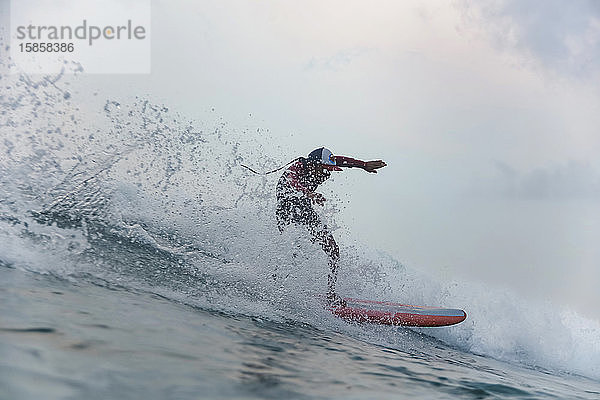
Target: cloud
pixel 573 180
pixel 337 61
pixel 561 35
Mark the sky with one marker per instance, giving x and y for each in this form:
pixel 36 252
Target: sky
pixel 487 113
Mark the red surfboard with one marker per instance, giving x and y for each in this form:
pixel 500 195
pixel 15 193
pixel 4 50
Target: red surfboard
pixel 387 313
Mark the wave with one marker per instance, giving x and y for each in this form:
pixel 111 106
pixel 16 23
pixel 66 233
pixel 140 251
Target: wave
pixel 136 195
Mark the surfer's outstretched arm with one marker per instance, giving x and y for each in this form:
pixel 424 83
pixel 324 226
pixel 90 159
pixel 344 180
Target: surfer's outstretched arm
pixel 369 166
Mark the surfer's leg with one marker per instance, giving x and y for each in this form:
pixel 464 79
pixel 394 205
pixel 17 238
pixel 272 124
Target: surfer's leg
pixel 330 247
pixel 332 296
pixel 300 211
pixel 333 252
pixel 331 280
pixel 321 235
pixel 303 213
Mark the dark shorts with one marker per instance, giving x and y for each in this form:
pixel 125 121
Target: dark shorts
pixel 297 210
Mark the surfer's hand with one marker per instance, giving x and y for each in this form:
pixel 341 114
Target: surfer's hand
pixel 373 166
pixel 317 198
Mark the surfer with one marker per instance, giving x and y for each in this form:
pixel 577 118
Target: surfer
pixel 296 196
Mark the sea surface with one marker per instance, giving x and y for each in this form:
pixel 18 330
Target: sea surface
pixel 139 260
pixel 74 339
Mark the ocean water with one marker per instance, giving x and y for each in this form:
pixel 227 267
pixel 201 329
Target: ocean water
pixel 138 260
pixel 90 339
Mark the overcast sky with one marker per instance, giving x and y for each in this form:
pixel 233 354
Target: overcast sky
pixel 487 112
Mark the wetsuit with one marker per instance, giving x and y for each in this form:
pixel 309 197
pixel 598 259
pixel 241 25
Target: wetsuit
pixel 294 206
